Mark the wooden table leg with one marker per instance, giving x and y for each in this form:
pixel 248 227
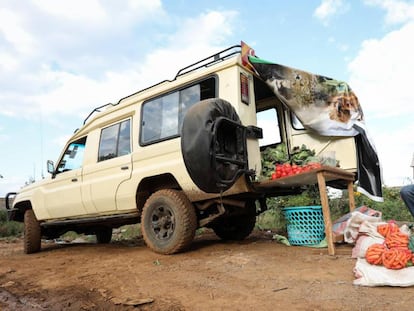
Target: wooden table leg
pixel 351 196
pixel 326 213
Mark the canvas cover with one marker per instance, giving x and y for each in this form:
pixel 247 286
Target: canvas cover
pixel 328 107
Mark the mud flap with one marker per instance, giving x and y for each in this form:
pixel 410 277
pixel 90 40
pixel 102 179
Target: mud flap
pixel 213 144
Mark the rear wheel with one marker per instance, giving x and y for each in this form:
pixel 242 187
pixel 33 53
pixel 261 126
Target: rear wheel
pixel 32 233
pixel 236 227
pixel 168 221
pixel 104 235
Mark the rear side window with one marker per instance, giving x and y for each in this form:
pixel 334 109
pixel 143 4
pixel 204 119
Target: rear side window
pixel 115 141
pixel 162 117
pixel 268 121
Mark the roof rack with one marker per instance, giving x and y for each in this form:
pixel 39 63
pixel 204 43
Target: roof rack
pixel 208 61
pixel 205 62
pixel 97 109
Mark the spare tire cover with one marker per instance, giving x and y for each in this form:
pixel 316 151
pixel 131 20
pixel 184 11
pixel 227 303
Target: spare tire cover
pixel 196 141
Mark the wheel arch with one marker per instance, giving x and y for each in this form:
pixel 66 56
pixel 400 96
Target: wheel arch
pixel 151 184
pixel 17 214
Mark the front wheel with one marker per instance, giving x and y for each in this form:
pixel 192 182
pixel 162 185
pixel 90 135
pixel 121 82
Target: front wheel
pixel 168 221
pixel 32 233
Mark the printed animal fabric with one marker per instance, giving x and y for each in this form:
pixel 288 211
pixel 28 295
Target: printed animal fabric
pixel 330 108
pixel 323 104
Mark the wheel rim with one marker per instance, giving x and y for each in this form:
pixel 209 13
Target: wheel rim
pixel 162 222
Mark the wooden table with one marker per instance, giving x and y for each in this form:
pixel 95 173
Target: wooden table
pixel 320 176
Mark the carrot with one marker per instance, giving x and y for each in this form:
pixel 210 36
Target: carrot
pixel 388 228
pixel 394 259
pixel 397 239
pixel 374 253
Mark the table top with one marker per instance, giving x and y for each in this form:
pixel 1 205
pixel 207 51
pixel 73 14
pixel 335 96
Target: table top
pixel 307 178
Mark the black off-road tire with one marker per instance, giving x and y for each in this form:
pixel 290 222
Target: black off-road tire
pixel 168 222
pixel 32 233
pixel 197 145
pixel 237 227
pixel 103 235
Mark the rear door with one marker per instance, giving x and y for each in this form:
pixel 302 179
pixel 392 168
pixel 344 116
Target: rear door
pixel 332 148
pixel 113 166
pixel 280 125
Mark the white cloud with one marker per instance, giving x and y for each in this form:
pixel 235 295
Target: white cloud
pixel 381 76
pixel 145 5
pixel 396 11
pixel 71 93
pixel 77 10
pixel 8 62
pixel 13 30
pixel 329 8
pixel 395 147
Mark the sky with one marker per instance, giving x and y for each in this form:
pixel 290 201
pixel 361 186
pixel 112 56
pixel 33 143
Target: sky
pixel 61 59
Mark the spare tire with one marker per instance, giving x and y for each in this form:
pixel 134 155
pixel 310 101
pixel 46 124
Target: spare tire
pixel 198 146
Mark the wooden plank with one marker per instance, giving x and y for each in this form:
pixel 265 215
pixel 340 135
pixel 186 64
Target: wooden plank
pixel 326 213
pixel 306 178
pixel 351 196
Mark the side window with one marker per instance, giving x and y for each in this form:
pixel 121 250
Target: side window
pixel 73 156
pixel 115 141
pixel 163 116
pixel 268 121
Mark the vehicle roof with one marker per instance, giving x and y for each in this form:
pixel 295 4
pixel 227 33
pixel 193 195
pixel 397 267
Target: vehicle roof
pixel 184 75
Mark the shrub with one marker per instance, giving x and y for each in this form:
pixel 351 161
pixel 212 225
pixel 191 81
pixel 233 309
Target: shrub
pixel 9 228
pixel 392 207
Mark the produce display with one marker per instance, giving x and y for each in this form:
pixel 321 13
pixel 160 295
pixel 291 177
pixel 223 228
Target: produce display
pixel 283 170
pixel 396 251
pixel 276 162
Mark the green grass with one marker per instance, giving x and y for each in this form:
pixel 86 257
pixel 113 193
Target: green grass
pixel 9 228
pixel 393 208
pixel 127 232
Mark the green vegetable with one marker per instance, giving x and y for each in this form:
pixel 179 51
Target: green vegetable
pixel 302 155
pixel 279 155
pixel 271 157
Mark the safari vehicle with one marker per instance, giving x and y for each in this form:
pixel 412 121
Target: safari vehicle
pixel 179 155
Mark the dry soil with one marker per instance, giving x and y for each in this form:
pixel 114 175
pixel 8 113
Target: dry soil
pixel 256 274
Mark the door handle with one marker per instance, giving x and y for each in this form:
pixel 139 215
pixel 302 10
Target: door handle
pixel 124 168
pixel 74 179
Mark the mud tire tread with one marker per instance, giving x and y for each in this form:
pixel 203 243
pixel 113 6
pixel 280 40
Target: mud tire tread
pixel 32 233
pixel 185 219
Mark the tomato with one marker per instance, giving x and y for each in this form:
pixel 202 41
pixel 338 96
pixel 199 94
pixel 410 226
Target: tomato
pixel 274 176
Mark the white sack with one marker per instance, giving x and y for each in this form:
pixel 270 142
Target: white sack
pixel 372 275
pixel 351 231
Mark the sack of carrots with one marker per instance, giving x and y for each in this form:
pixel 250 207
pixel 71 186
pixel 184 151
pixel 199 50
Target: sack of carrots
pixel 396 252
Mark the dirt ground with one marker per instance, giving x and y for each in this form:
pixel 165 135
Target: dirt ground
pixel 256 274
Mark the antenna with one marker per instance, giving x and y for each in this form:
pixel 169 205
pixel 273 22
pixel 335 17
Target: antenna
pixel 41 144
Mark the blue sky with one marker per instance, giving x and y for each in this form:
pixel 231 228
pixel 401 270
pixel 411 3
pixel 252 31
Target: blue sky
pixel 60 59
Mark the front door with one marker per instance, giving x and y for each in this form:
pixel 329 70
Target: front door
pixel 62 196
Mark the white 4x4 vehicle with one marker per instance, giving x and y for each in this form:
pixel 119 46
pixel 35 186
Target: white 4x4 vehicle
pixel 179 155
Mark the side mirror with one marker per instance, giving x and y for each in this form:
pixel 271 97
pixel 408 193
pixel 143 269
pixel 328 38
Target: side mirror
pixel 51 168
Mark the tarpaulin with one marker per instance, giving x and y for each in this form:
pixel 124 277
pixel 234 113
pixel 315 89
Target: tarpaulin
pixel 330 108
